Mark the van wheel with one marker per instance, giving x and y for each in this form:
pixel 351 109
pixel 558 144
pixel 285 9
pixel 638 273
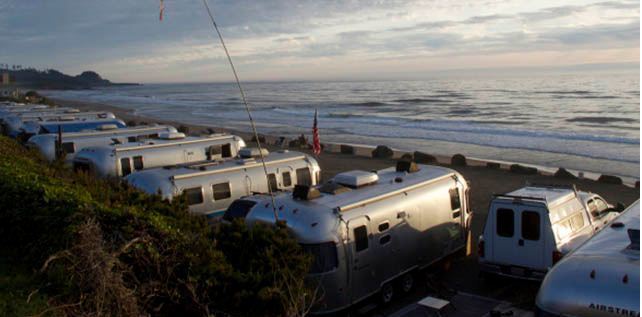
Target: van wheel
pixel 407 282
pixel 387 292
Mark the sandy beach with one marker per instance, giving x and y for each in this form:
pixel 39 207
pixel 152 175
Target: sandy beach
pixel 484 181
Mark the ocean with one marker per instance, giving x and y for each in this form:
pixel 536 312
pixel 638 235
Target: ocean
pixel 583 121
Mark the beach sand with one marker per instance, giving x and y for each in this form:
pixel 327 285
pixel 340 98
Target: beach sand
pixel 484 181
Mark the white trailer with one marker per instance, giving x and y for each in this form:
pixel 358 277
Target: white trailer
pixel 168 149
pixel 72 142
pixel 370 232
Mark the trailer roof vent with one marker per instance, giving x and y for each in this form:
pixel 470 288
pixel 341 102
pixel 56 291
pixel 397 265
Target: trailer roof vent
pixel 303 192
pixel 407 166
pixel 171 135
pixel 252 152
pixel 106 127
pixel 333 188
pixel 356 179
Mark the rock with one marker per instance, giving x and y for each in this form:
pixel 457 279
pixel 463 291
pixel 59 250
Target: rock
pixel 294 144
pixel 382 151
pixel 183 129
pixel 493 165
pixel 347 149
pixel 424 158
pixel 261 138
pixel 525 170
pixel 563 173
pixel 610 179
pixel 458 160
pixel 407 157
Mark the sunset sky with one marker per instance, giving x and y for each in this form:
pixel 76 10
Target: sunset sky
pixel 124 40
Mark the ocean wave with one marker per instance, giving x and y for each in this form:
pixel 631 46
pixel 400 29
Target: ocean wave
pixel 423 100
pixel 601 119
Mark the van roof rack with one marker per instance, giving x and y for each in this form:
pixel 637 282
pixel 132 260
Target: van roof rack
pixel 544 185
pixel 515 197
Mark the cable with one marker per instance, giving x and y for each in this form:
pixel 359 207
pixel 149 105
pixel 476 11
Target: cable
pixel 247 108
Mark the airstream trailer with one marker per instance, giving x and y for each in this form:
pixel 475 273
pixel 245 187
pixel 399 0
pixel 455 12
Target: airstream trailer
pixel 600 278
pixel 212 186
pixel 528 230
pixel 370 232
pixel 167 149
pixel 30 123
pixel 72 142
pixel 33 127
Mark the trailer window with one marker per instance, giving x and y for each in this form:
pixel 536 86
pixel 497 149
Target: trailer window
pixel 384 226
pixel 212 151
pixel 303 176
pixel 287 179
pixel 360 238
pixel 221 191
pixel 505 222
pixel 272 182
pixel 238 209
pixel 385 239
pixel 324 256
pixel 125 166
pixel 138 162
pixel 226 150
pixel 455 203
pixel 68 147
pixel 530 225
pixel 601 205
pixel 194 196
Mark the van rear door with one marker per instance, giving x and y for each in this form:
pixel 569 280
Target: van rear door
pixel 518 238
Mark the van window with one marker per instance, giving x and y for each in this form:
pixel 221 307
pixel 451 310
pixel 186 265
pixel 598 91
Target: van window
pixel 324 256
pixel 226 150
pixel 194 196
pixel 455 203
pixel 221 191
pixel 138 162
pixel 360 238
pixel 238 209
pixel 600 205
pixel 125 166
pixel 68 147
pixel 505 222
pixel 272 182
pixel 591 206
pixel 287 180
pixel 384 226
pixel 385 239
pixel 303 176
pixel 530 225
pixel 577 222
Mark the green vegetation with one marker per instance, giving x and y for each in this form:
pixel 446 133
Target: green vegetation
pixel 74 245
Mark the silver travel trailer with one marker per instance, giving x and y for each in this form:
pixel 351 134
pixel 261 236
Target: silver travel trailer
pixel 167 149
pixel 370 231
pixel 528 230
pixel 600 278
pixel 212 186
pixel 35 110
pixel 72 142
pixel 29 123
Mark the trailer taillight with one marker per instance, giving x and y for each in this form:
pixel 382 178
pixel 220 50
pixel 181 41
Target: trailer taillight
pixel 480 248
pixel 557 256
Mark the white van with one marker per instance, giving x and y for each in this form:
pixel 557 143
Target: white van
pixel 528 230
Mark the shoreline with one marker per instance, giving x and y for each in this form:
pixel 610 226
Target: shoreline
pixel 363 150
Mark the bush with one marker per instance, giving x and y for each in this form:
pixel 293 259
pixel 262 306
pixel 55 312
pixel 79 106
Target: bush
pixel 103 248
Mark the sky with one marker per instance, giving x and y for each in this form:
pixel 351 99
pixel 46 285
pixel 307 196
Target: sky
pixel 124 41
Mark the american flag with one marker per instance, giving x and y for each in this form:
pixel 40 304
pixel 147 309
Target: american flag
pixel 162 8
pixel 316 144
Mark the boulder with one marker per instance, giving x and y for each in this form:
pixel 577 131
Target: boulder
pixel 261 138
pixel 493 165
pixel 382 151
pixel 347 149
pixel 525 170
pixel 563 173
pixel 424 158
pixel 458 160
pixel 407 157
pixel 183 129
pixel 610 179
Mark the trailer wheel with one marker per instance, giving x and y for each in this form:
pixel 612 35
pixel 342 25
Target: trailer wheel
pixel 407 282
pixel 387 292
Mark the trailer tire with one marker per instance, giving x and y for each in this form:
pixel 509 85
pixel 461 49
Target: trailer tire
pixel 407 282
pixel 387 293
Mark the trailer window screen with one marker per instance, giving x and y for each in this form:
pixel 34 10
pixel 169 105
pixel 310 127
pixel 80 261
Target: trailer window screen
pixel 324 256
pixel 221 191
pixel 287 179
pixel 455 203
pixel 125 166
pixel 360 238
pixel 238 209
pixel 194 196
pixel 272 182
pixel 226 150
pixel 138 162
pixel 530 225
pixel 505 222
pixel 303 176
pixel 68 147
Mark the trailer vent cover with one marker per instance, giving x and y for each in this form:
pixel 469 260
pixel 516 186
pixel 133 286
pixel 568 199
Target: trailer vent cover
pixel 171 135
pixel 252 152
pixel 356 179
pixel 303 192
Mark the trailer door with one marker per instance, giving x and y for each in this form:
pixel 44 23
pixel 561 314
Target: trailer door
pixel 363 269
